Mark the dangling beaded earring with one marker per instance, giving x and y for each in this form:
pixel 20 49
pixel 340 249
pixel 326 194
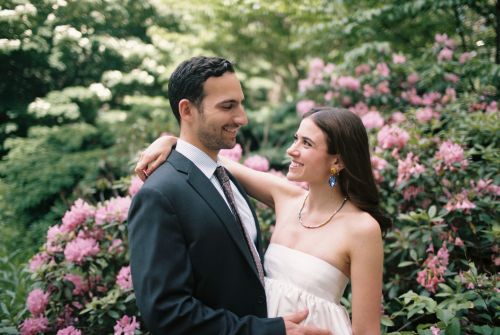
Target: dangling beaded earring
pixel 332 181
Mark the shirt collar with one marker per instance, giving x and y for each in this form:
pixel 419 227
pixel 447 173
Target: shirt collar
pixel 204 162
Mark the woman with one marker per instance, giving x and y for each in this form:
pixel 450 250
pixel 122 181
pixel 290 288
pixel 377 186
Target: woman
pixel 327 235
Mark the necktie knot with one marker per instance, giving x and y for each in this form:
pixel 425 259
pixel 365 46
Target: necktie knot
pixel 221 175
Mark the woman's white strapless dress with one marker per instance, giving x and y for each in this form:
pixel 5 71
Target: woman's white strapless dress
pixel 296 280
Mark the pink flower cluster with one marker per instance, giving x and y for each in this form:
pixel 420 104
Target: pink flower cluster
pixel 372 120
pixel 124 278
pixel 434 268
pixel 378 164
pixel 485 186
pixel 459 202
pixel 34 326
pixel 398 59
pixel 69 331
pixel 409 168
pixel 80 248
pixel 80 285
pixel 435 330
pixel 347 82
pixel 412 192
pixel 391 136
pixel 234 154
pixel 426 114
pixel 37 301
pixel 38 260
pixel 77 215
pixel 126 326
pixel 257 162
pixel 304 106
pixel 383 69
pixel 114 210
pixel 449 155
pixel 135 185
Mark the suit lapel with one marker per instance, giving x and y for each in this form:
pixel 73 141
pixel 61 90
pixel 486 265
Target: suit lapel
pixel 204 187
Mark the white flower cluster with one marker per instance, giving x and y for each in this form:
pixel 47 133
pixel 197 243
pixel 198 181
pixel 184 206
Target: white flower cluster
pixel 102 92
pixel 66 32
pixel 7 45
pixel 19 12
pixel 42 108
pixel 136 76
pixel 131 48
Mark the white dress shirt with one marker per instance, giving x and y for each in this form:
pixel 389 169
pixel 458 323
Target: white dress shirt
pixel 207 166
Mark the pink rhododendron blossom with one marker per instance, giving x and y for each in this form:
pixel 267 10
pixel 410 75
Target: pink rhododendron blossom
pixel 372 120
pixel 378 164
pixel 37 301
pixel 466 56
pixel 449 96
pixel 459 242
pixel 441 38
pixel 435 330
pixel 233 154
pixel 391 136
pixel 33 326
pixel 412 97
pixel 305 85
pixel 124 278
pixel 434 268
pixel 409 168
pixel 316 65
pixel 426 114
pixel 77 250
pixel 349 83
pixel 368 91
pixel 115 209
pixel 445 54
pixel 81 286
pixel 413 78
pixel 116 247
pixel 359 109
pixel 77 215
pixel 38 260
pixel 411 192
pixel 329 68
pixel 451 77
pixel 257 162
pixel 430 98
pixel 398 59
pixel 492 107
pixel 397 117
pixel 485 186
pixel 135 185
pixel 460 202
pixel 383 69
pixel 54 238
pixel 362 69
pixel 329 96
pixel 450 154
pixel 126 326
pixel 383 87
pixel 304 106
pixel 69 331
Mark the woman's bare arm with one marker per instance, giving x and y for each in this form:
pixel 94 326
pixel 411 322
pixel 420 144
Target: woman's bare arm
pixel 367 258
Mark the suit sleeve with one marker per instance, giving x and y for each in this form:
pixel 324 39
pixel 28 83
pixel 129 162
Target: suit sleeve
pixel 163 281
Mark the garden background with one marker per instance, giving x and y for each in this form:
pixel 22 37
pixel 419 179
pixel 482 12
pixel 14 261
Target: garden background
pixel 83 90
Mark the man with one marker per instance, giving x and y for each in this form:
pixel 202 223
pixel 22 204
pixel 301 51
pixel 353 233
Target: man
pixel 194 240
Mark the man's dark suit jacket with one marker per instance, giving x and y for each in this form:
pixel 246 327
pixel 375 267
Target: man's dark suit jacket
pixel 192 270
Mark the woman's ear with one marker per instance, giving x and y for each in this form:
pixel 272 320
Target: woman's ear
pixel 337 163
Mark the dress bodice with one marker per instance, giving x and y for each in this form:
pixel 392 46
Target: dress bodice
pixel 296 280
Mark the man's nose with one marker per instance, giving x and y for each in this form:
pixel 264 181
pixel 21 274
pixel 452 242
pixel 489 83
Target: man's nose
pixel 241 117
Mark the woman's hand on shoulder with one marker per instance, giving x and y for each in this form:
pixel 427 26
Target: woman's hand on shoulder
pixel 155 154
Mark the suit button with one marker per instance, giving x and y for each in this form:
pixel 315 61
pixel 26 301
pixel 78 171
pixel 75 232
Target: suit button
pixel 261 299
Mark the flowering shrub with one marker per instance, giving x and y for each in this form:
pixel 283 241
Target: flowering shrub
pixel 83 280
pixel 433 138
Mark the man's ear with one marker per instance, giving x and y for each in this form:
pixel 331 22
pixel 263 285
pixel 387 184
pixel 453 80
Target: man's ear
pixel 186 110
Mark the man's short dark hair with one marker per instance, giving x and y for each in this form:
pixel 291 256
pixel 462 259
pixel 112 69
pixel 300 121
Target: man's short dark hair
pixel 186 82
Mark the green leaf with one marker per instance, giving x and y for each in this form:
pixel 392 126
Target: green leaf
pixel 405 263
pixel 444 315
pixel 432 211
pixel 114 314
pixel 453 328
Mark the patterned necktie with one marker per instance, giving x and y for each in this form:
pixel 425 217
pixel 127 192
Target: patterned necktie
pixel 223 178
